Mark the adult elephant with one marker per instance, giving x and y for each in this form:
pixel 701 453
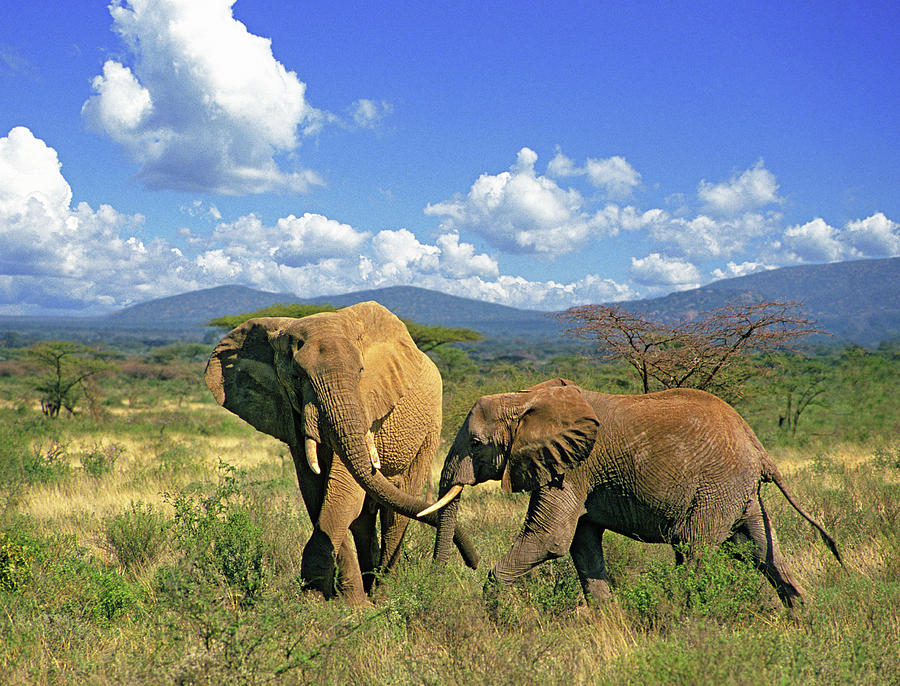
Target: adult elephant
pixel 678 466
pixel 360 407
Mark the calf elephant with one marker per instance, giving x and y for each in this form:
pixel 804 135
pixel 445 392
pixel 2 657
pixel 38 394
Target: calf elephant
pixel 678 466
pixel 360 407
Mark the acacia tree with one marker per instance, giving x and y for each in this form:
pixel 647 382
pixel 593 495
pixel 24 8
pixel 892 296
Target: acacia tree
pixel 425 337
pixel 711 351
pixel 63 373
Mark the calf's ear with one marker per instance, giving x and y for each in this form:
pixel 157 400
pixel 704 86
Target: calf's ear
pixel 556 432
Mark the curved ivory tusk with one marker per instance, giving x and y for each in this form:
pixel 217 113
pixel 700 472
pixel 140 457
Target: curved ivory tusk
pixel 312 456
pixel 373 451
pixel 448 496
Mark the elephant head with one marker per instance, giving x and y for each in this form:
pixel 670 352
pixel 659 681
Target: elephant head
pixel 326 378
pixel 526 440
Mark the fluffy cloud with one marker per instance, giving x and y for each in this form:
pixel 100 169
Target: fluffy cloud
pixel 656 270
pixel 613 174
pixel 733 269
pixel 711 237
pixel 368 114
pixel 519 211
pixel 814 241
pixel 59 256
pixel 818 241
pixel 875 236
pixel 754 188
pixel 206 106
pixel 53 255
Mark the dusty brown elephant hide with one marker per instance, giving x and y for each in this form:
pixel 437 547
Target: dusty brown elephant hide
pixel 360 407
pixel 678 467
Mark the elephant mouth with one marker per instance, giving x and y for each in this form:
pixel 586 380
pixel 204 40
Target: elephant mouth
pixel 306 424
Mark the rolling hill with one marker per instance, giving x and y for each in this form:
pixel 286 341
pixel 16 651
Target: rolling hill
pixel 857 301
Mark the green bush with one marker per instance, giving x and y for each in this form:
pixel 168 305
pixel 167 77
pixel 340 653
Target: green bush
pixel 218 537
pixel 101 459
pixel 115 597
pixel 16 559
pixel 137 536
pixel 723 584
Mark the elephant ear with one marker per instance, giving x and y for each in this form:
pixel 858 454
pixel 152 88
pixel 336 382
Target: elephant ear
pixel 391 361
pixel 556 432
pixel 241 375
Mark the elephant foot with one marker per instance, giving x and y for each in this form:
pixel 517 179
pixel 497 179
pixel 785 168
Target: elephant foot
pixel 597 591
pixel 358 601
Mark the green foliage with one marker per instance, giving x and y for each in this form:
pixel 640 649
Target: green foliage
pixel 219 539
pixel 16 558
pixel 101 459
pixel 137 536
pixel 179 352
pixel 115 597
pixel 722 584
pixel 431 337
pixel 295 310
pixel 63 371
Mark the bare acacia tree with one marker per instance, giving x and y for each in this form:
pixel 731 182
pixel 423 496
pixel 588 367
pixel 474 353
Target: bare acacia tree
pixel 63 373
pixel 711 351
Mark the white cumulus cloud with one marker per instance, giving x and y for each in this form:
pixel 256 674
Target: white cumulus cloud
pixel 814 241
pixel 751 189
pixel 657 270
pixel 613 174
pixel 205 106
pixel 519 211
pixel 875 236
pixel 733 269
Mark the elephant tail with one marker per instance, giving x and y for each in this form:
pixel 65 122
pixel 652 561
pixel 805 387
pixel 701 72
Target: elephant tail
pixel 771 474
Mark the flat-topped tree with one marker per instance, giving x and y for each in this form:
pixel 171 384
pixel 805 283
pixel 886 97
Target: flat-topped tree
pixel 294 310
pixel 426 337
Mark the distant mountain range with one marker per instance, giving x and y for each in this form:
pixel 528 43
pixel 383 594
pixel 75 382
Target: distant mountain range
pixel 857 301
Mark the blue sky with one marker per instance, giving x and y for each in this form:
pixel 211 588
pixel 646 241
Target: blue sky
pixel 527 154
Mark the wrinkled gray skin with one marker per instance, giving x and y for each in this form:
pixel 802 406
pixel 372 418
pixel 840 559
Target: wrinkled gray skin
pixel 322 384
pixel 678 467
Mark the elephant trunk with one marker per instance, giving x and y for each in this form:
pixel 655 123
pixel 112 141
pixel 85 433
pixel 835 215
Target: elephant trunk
pixel 456 472
pixel 343 411
pixel 445 528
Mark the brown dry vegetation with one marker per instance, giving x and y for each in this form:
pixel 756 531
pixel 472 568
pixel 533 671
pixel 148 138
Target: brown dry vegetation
pixel 160 543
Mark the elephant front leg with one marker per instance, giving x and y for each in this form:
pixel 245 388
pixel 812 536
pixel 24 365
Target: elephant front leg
pixel 549 529
pixel 329 543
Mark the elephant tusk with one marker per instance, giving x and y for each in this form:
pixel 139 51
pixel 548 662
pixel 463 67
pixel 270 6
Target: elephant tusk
pixel 373 451
pixel 448 496
pixel 312 456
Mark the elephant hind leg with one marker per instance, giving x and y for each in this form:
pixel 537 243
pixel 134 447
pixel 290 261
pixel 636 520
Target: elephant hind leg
pixel 364 535
pixel 766 555
pixel 587 554
pixel 393 528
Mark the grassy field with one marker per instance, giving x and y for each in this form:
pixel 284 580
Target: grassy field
pixel 156 539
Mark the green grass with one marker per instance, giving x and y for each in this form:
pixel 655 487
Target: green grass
pixel 161 543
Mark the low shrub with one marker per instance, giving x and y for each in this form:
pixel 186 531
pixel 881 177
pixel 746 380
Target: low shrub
pixel 16 558
pixel 219 539
pixel 137 536
pixel 723 584
pixel 101 459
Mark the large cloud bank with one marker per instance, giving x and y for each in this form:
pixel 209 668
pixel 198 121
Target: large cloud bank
pixel 59 255
pixel 205 106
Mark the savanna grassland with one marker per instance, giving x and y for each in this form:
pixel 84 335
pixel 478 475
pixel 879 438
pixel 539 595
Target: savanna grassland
pixel 153 538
